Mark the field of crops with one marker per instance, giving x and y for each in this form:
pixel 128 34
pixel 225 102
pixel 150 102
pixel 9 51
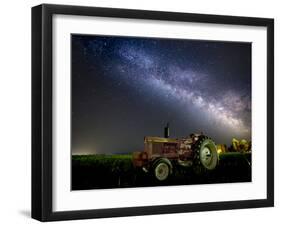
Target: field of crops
pixel 117 171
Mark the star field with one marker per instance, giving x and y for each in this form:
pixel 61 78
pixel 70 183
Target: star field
pixel 125 88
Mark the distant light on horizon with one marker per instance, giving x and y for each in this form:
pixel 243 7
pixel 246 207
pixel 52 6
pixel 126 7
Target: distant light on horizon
pixel 83 151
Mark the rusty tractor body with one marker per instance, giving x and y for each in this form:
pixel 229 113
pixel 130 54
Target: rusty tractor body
pixel 161 154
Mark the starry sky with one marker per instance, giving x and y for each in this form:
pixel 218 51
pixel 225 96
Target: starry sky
pixel 125 88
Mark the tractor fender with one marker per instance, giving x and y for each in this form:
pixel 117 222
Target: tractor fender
pixel 157 160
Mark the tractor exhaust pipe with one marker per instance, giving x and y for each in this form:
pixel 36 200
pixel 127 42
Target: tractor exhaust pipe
pixel 167 131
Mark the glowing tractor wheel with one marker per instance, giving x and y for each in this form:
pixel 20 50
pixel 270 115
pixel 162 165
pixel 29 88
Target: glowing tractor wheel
pixel 207 153
pixel 161 171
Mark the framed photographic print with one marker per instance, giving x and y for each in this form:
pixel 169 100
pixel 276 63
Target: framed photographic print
pixel 147 112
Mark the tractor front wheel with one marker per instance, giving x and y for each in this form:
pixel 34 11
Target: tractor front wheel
pixel 161 170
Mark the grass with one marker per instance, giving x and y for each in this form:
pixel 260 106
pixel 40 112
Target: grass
pixel 105 162
pixel 115 171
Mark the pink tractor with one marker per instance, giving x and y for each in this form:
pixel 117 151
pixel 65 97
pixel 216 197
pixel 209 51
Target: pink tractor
pixel 161 154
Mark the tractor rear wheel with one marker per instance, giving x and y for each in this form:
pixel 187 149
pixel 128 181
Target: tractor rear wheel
pixel 206 153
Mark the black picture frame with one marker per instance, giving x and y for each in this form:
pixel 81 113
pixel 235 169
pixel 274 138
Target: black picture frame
pixel 42 111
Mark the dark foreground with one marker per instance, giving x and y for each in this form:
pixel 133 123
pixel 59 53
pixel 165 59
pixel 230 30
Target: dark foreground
pixel 117 171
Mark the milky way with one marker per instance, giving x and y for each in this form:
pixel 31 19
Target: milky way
pixel 126 88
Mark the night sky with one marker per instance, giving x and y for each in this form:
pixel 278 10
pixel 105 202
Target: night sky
pixel 125 88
